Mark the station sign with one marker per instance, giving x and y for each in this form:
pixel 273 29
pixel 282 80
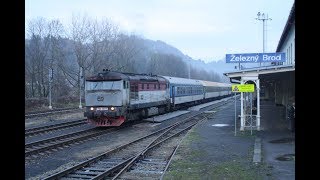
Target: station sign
pixel 243 88
pixel 256 57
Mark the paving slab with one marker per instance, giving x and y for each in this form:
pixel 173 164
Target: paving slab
pixel 160 118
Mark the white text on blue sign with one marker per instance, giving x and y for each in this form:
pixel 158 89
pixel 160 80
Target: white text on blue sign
pixel 255 57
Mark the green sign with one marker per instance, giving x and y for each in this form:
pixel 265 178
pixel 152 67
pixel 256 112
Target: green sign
pixel 243 88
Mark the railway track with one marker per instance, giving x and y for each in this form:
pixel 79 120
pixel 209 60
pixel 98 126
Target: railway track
pixel 50 112
pixel 116 162
pixel 154 160
pixel 112 164
pixel 49 128
pixel 53 144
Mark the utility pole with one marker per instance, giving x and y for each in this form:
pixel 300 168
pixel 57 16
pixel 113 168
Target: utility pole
pixel 50 81
pixel 262 17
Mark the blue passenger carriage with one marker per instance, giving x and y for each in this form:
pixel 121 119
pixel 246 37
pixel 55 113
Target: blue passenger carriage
pixel 214 90
pixel 184 91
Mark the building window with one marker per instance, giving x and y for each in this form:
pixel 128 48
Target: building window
pixel 291 53
pixel 288 52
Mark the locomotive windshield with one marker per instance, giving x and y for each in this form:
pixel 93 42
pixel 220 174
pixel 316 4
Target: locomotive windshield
pixel 103 85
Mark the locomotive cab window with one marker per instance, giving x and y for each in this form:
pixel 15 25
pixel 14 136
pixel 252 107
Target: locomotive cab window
pixel 103 85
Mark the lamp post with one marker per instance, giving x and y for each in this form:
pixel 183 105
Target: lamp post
pixel 262 17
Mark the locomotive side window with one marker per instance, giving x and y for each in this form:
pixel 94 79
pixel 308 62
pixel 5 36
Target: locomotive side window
pixel 134 91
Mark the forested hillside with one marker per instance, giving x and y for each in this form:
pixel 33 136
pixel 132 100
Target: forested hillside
pixel 86 47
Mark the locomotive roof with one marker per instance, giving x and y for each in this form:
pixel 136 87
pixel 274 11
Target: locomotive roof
pixel 108 76
pixel 115 76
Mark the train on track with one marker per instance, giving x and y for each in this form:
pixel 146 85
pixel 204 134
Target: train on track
pixel 113 98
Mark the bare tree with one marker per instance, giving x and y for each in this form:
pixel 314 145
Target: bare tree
pixel 127 47
pixel 57 58
pixel 36 54
pixel 80 37
pixel 103 34
pixel 168 64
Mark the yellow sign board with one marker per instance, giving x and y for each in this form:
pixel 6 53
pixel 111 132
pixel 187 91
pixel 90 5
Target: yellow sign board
pixel 243 88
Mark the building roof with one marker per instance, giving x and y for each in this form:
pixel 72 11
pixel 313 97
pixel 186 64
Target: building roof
pixel 261 70
pixel 214 84
pixel 290 22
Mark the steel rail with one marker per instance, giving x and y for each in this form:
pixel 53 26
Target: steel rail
pixel 38 130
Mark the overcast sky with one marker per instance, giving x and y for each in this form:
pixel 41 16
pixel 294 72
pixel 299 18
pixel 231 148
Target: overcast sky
pixel 201 29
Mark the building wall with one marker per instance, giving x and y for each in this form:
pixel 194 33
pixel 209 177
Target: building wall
pixel 288 46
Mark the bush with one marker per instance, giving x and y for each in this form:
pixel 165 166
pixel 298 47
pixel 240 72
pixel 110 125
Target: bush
pixel 35 103
pixel 38 104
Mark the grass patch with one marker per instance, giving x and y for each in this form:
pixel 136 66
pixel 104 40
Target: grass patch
pixel 234 170
pixel 191 137
pixel 190 164
pixel 185 170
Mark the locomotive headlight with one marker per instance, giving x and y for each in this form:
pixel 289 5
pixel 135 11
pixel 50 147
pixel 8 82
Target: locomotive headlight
pixel 112 108
pixel 91 108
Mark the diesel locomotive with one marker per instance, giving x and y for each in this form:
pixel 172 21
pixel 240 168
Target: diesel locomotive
pixel 113 98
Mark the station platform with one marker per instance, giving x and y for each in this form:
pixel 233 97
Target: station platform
pixel 160 118
pixel 278 141
pixel 214 150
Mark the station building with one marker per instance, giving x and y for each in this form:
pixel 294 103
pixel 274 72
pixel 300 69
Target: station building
pixel 274 86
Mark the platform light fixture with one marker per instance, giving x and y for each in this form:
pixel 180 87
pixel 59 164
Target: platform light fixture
pixel 263 17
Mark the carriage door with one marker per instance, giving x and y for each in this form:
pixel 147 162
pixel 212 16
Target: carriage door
pixel 173 94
